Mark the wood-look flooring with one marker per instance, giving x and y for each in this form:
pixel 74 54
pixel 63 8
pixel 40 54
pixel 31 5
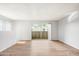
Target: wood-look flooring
pixel 40 48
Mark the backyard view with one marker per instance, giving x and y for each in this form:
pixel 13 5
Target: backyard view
pixel 40 31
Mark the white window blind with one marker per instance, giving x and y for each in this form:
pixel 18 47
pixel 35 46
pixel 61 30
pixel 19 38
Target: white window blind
pixel 5 26
pixel 8 26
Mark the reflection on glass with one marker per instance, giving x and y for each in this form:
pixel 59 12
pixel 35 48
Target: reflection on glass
pixel 40 27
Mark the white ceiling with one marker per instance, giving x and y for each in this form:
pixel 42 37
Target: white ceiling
pixel 37 11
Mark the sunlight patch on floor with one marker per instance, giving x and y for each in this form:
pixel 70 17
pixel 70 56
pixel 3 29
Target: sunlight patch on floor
pixel 21 42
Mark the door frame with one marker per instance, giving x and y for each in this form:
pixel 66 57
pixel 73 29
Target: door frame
pixel 49 31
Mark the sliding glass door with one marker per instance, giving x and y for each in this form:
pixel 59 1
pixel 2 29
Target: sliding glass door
pixel 40 31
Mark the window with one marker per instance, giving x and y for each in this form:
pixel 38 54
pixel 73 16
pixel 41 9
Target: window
pixel 40 27
pixel 5 25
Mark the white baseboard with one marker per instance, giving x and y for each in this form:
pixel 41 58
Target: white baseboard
pixel 69 44
pixel 7 47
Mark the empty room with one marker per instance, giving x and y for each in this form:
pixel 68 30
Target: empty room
pixel 39 29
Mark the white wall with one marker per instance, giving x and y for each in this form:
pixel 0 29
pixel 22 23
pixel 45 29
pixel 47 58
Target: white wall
pixel 7 38
pixel 69 30
pixel 61 28
pixel 23 30
pixel 49 32
pixel 54 30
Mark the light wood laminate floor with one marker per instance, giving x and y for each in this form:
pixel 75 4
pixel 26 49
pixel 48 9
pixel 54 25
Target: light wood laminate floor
pixel 40 48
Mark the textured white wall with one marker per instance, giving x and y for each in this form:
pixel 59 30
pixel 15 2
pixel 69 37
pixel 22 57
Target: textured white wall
pixel 7 38
pixel 69 30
